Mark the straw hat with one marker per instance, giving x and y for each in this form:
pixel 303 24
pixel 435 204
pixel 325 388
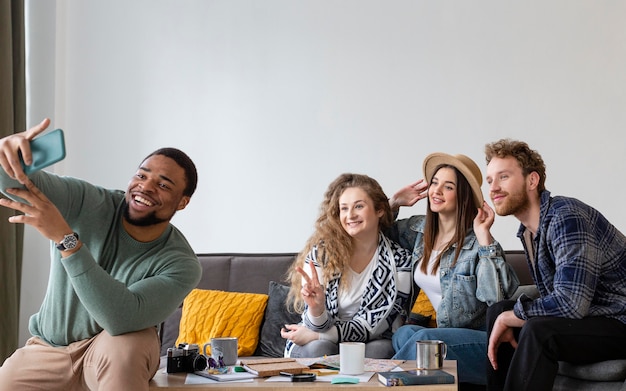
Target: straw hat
pixel 464 164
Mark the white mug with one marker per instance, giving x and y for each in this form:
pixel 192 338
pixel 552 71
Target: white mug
pixel 351 358
pixel 226 347
pixel 430 354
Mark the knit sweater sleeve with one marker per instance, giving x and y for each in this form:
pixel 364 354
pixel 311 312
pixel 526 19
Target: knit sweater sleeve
pixel 120 307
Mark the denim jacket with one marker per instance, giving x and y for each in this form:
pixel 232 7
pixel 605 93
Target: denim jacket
pixel 479 278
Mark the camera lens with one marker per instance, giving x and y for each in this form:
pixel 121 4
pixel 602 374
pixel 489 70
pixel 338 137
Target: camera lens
pixel 199 363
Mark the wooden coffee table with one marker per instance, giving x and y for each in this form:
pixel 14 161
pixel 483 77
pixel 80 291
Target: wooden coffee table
pixel 176 382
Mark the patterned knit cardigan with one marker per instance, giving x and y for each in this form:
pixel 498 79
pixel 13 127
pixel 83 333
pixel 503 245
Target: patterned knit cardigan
pixel 384 298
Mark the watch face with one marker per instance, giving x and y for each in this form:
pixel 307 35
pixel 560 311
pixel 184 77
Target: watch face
pixel 70 241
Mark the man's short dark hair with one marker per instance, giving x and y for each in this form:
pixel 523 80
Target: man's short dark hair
pixel 181 158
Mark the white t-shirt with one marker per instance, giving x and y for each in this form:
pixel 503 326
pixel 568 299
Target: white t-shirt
pixel 429 283
pixel 349 300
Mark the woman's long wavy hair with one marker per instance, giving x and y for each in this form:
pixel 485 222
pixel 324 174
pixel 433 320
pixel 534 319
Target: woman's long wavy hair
pixel 466 212
pixel 334 245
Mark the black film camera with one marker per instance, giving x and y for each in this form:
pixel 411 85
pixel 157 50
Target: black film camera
pixel 185 358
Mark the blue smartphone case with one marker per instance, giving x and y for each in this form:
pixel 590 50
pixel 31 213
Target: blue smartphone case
pixel 46 150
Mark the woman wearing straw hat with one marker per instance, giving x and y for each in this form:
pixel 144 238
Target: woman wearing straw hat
pixel 456 262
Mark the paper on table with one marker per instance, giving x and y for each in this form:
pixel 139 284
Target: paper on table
pixel 195 379
pixel 371 364
pixel 226 377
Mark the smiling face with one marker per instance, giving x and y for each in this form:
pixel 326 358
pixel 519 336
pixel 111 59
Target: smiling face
pixel 155 192
pixel 442 191
pixel 357 213
pixel 507 186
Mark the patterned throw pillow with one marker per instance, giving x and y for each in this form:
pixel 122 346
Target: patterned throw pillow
pixel 272 344
pixel 209 313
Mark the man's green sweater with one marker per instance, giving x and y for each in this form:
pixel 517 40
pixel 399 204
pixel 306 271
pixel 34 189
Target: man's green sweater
pixel 112 282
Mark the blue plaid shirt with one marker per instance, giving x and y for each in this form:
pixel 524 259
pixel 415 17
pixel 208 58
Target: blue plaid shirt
pixel 580 263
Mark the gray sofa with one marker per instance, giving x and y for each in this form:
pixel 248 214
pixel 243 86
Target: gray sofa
pixel 263 273
pixel 250 273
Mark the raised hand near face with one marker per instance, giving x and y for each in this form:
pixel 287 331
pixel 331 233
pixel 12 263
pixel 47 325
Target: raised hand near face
pixel 11 146
pixel 409 195
pixel 482 224
pixel 312 291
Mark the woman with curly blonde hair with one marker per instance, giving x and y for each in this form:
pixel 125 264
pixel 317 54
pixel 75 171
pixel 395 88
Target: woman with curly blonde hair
pixel 350 282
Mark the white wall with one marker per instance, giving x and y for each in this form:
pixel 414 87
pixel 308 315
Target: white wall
pixel 274 99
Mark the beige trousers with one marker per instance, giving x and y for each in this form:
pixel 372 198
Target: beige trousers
pixel 104 362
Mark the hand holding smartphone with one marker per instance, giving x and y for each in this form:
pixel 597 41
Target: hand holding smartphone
pixel 46 150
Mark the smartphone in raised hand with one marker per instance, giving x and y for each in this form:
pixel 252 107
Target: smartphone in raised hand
pixel 46 150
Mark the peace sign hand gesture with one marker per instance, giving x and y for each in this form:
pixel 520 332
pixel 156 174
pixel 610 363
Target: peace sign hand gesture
pixel 312 291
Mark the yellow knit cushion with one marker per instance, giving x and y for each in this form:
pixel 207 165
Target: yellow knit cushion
pixel 423 306
pixel 209 314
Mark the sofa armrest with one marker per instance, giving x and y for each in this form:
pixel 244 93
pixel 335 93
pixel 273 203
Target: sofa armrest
pixel 529 290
